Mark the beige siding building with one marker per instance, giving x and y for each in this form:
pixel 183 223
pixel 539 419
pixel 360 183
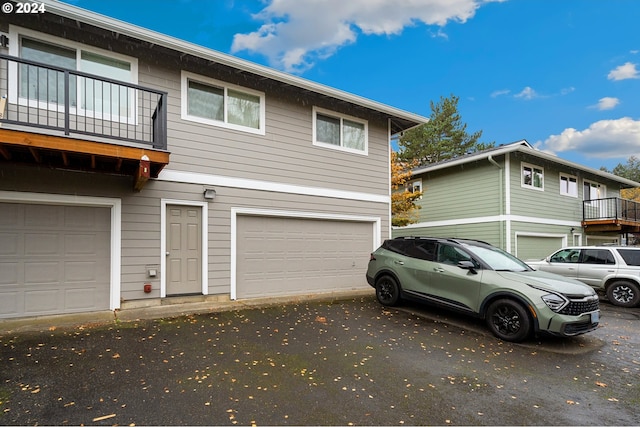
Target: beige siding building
pixel 135 167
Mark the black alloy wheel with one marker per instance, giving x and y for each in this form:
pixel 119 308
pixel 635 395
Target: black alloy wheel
pixel 387 291
pixel 508 320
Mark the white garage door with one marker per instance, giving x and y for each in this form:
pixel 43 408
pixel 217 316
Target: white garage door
pixel 289 256
pixel 53 259
pixel 537 247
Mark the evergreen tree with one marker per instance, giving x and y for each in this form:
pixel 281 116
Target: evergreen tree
pixel 443 137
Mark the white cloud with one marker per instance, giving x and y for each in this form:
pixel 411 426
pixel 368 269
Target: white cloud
pixel 606 103
pixel 501 92
pixel 623 72
pixel 297 33
pixel 603 139
pixel 527 93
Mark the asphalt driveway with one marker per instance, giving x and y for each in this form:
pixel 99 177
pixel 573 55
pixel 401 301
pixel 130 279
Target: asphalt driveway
pixel 320 363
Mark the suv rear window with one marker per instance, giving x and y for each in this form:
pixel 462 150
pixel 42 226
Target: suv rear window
pixel 630 256
pixel 597 256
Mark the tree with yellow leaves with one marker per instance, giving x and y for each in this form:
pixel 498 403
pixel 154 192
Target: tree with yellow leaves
pixel 403 208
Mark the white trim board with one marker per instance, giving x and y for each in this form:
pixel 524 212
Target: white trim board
pixel 375 221
pixel 276 187
pixel 163 242
pixel 116 226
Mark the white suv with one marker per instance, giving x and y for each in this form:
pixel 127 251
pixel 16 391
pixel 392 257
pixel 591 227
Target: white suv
pixel 614 270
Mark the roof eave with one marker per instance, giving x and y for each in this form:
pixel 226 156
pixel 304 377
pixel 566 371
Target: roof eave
pixel 527 149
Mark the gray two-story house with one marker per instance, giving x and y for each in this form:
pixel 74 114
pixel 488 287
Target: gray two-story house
pixel 523 200
pixel 136 167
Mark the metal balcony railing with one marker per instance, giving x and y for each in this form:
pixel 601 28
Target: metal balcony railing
pixel 55 98
pixel 612 208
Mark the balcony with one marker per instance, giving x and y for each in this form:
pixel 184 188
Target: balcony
pixel 611 214
pixel 65 119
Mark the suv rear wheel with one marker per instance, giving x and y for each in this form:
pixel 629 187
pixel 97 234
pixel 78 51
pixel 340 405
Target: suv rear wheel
pixel 623 293
pixel 508 320
pixel 387 290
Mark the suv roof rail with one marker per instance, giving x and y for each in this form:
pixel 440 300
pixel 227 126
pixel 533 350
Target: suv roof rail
pixel 446 239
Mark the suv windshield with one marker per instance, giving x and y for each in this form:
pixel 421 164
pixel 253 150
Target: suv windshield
pixel 497 259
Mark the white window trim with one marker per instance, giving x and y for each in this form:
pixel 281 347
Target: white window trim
pixel 16 32
pixel 565 175
pixel 342 117
pixel 531 187
pixel 603 189
pixel 185 76
pixel 413 182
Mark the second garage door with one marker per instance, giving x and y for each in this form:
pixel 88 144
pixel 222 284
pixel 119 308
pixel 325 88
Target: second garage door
pixel 53 259
pixel 537 247
pixel 289 256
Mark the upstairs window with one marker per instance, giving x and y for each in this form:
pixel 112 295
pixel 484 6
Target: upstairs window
pixel 213 102
pixel 568 185
pixel 87 96
pixel 415 186
pixel 333 130
pixel 532 177
pixel 593 191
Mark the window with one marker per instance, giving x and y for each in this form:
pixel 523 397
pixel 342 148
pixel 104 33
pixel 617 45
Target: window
pixel 597 256
pixel 532 177
pixel 338 131
pixel 568 185
pixel 566 255
pixel 593 191
pixel 86 96
pixel 213 102
pixel 415 186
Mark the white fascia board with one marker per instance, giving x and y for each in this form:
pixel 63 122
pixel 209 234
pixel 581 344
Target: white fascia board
pixel 524 147
pixel 154 37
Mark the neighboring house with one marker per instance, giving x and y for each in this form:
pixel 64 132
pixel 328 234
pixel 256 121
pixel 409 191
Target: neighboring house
pixel 523 200
pixel 135 167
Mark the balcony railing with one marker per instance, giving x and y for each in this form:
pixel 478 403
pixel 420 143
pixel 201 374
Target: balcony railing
pixel 611 214
pixel 69 101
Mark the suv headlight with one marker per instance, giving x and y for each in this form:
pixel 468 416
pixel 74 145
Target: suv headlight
pixel 555 302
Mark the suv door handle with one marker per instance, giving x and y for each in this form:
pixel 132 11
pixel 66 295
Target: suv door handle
pixel 399 262
pixel 438 270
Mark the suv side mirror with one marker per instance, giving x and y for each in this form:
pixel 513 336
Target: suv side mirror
pixel 468 265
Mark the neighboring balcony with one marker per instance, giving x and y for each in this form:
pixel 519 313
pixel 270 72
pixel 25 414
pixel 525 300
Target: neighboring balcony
pixel 611 214
pixel 62 118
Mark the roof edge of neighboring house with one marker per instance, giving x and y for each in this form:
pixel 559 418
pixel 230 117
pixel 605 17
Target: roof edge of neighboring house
pixel 524 147
pixel 154 37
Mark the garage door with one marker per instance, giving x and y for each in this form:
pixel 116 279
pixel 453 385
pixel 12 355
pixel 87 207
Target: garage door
pixel 289 256
pixel 536 247
pixel 53 259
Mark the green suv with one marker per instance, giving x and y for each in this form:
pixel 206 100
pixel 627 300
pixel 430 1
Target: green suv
pixel 479 279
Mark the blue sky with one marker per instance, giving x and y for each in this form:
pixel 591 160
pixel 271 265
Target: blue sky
pixel 562 74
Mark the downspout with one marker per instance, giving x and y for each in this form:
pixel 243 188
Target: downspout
pixel 493 162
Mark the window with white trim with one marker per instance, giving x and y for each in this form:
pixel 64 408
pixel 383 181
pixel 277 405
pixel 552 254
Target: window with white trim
pixel 86 96
pixel 593 190
pixel 568 185
pixel 209 101
pixel 532 176
pixel 415 186
pixel 339 131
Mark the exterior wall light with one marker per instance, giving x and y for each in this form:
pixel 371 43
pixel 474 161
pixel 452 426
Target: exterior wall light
pixel 209 194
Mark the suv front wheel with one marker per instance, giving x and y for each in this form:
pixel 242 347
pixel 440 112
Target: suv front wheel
pixel 508 320
pixel 623 293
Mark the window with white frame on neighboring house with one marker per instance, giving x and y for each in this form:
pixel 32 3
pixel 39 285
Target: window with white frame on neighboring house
pixel 339 131
pixel 209 101
pixel 532 176
pixel 414 186
pixel 568 185
pixel 91 97
pixel 593 190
